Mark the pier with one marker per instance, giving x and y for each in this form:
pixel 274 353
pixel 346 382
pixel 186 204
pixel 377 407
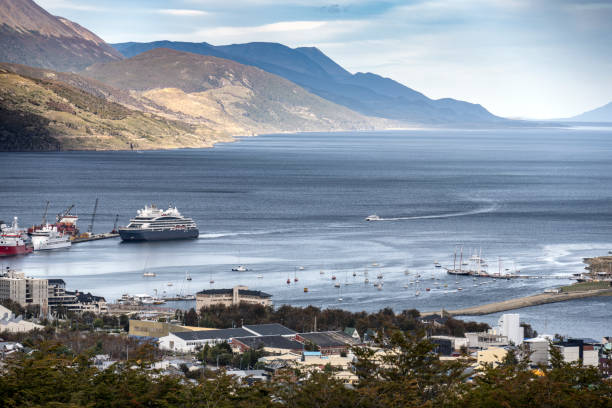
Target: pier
pixel 94 237
pixel 527 301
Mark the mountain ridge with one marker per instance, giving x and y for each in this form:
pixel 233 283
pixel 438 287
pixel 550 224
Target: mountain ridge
pixel 366 93
pixel 31 36
pixel 224 94
pixel 600 114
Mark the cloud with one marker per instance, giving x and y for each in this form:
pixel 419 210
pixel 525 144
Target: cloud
pixel 69 5
pixel 293 33
pixel 183 12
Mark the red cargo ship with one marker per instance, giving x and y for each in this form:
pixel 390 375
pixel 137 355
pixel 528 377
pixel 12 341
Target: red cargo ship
pixel 13 241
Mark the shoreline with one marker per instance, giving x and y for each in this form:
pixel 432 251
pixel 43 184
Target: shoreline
pixel 522 302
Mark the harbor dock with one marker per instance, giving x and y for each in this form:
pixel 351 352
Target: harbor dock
pixel 94 237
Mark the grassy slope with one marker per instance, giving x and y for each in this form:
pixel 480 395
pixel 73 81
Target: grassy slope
pixel 225 94
pixel 46 115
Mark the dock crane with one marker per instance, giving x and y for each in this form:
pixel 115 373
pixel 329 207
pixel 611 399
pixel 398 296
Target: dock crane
pixel 65 213
pixel 93 218
pixel 114 231
pixel 44 219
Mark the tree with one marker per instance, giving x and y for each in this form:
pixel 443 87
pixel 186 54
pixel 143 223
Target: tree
pixel 191 318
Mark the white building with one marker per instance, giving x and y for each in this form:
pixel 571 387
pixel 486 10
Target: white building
pixel 13 324
pixel 509 325
pixel 189 341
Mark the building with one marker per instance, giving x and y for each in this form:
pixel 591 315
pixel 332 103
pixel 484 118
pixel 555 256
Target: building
pixel 189 341
pixel 585 350
pixel 538 347
pixel 457 343
pixel 351 331
pixel 329 342
pixel 62 301
pixel 231 297
pixel 274 344
pixel 509 325
pixel 24 290
pixel 492 355
pixel 485 340
pixel 15 324
pixel 154 329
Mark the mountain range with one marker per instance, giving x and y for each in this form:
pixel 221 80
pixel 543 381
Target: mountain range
pixel 601 114
pixel 64 87
pixel 366 93
pixel 223 94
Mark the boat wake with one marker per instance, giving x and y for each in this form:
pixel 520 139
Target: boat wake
pixel 489 208
pixel 236 234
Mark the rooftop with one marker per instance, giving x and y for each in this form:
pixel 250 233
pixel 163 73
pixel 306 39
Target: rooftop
pixel 269 329
pixel 212 334
pixel 329 339
pixel 279 342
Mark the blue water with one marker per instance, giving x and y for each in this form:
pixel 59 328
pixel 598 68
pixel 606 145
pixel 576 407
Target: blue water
pixel 537 199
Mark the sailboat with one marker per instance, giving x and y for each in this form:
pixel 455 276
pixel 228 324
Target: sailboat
pixel 187 276
pixel 211 279
pixel 146 273
pixel 295 278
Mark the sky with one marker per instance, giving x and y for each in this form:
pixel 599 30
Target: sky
pixel 518 58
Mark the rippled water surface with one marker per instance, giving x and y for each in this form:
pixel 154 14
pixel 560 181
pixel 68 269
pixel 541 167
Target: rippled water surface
pixel 533 200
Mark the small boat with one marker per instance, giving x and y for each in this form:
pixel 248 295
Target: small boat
pixel 240 268
pixel 305 290
pixel 417 293
pixel 148 274
pixel 379 286
pixel 300 268
pixel 459 288
pixel 321 272
pixel 379 276
pixel 427 289
pixel 170 284
pixel 188 277
pixel 260 276
pixel 336 285
pixel 406 286
pixel 354 273
pixel 333 277
pixel 288 281
pixel 366 280
pixel 375 264
pixel 373 217
pixel 340 299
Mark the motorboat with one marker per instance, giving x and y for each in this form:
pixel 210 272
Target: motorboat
pixel 373 217
pixel 240 268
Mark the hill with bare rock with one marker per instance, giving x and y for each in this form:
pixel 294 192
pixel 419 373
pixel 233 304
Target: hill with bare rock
pixel 225 95
pixel 30 35
pixel 46 114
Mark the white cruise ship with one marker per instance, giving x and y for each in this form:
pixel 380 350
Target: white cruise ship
pixel 155 224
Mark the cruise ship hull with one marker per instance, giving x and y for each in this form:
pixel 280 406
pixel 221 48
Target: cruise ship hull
pixel 148 235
